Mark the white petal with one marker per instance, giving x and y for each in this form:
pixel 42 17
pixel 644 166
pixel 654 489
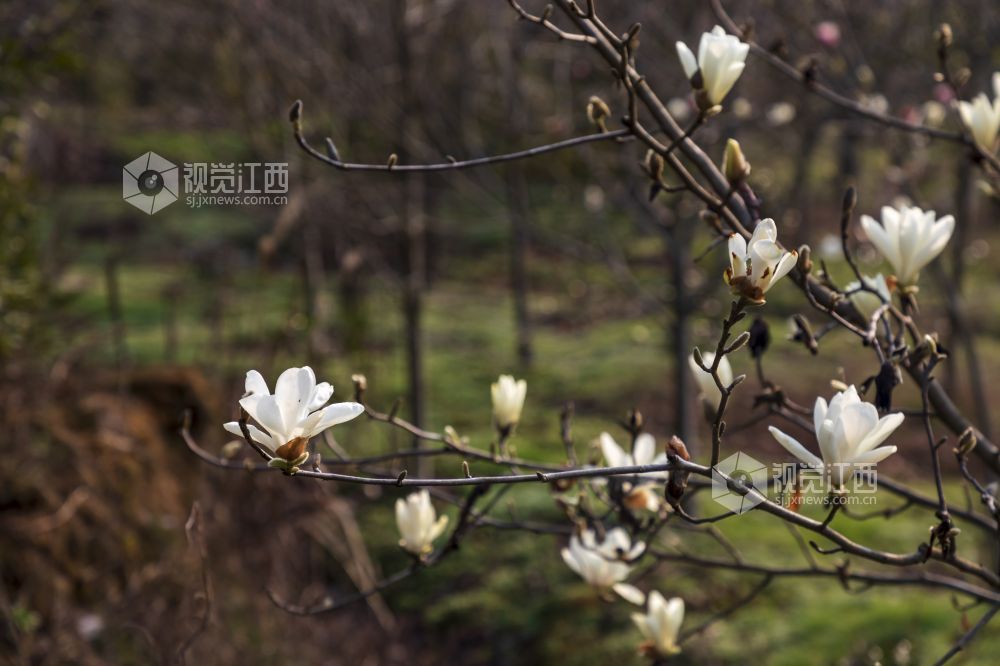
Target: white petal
pixel 571 561
pixel 292 392
pixel 334 414
pixel 613 454
pixel 881 432
pixel 655 602
pixel 738 255
pixel 766 230
pixel 629 593
pixel 438 528
pixel 785 265
pixel 819 414
pixel 793 446
pixel 255 383
pixel 644 449
pixel 643 626
pixel 855 423
pixel 320 396
pixel 687 59
pixel 264 409
pixel 875 455
pixel 879 237
pixel 256 434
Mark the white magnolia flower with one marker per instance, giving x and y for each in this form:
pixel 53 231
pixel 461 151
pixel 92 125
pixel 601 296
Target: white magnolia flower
pixel 508 400
pixel 865 301
pixel 643 452
pixel 983 118
pixel 757 265
pixel 660 625
pixel 643 495
pixel 848 432
pixel 706 383
pixel 602 565
pixel 721 59
pixel 909 238
pixel 417 523
pixel 294 414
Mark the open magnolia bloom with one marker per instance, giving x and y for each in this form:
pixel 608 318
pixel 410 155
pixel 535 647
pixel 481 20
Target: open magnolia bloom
pixel 909 239
pixel 865 301
pixel 982 118
pixel 710 392
pixel 602 565
pixel 721 59
pixel 660 625
pixel 643 495
pixel 849 432
pixel 418 523
pixel 508 400
pixel 294 414
pixel 754 267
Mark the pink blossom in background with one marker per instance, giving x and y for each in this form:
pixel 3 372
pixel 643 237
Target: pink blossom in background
pixel 828 33
pixel 943 93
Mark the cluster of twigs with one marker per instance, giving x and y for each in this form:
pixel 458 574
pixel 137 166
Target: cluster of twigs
pixel 892 335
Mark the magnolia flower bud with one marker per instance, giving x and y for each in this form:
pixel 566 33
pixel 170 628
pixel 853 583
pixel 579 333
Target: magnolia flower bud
pixel 803 333
pixel 597 112
pixel 360 384
pixel 295 115
pixel 660 626
pixel 909 238
pixel 885 381
pixel 654 164
pixel 734 164
pixel 418 523
pixel 721 59
pixel 804 263
pixel 709 390
pixel 508 401
pixel 677 480
pixel 635 420
pixel 966 442
pixel 944 35
pixel 760 337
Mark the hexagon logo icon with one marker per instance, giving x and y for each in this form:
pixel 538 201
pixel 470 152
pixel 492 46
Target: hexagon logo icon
pixel 743 468
pixel 150 183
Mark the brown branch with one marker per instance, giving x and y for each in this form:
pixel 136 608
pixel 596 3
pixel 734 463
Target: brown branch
pixel 333 158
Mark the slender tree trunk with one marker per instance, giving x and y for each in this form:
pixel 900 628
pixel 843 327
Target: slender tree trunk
pixel 518 206
pixel 957 320
pixel 317 299
pixel 412 215
pixel 679 257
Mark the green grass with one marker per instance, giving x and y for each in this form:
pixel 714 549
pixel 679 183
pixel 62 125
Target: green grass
pixel 507 596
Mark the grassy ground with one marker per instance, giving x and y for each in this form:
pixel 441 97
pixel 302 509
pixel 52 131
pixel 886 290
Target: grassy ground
pixel 508 598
